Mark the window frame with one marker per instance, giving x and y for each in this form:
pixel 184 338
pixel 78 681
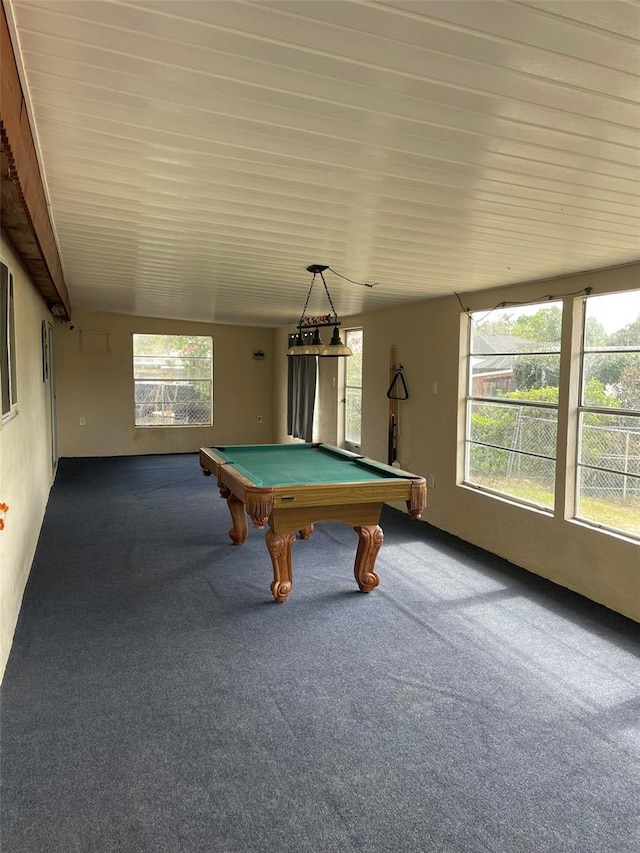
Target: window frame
pixel 471 399
pixel 8 364
pixel 584 408
pixel 163 423
pixel 351 445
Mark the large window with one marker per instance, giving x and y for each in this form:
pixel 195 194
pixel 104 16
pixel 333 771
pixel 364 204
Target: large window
pixel 608 465
pixel 353 391
pixel 173 379
pixel 7 344
pixel 512 402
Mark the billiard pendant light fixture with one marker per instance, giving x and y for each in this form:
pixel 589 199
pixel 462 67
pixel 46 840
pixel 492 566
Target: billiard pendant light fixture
pixel 335 348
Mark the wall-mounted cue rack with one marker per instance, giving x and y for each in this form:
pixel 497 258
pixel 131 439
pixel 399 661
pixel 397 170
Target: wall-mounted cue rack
pixel 397 391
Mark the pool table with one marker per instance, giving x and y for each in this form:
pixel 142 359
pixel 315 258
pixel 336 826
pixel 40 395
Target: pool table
pixel 292 486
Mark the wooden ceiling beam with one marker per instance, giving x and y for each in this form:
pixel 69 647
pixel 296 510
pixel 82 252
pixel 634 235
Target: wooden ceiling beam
pixel 23 203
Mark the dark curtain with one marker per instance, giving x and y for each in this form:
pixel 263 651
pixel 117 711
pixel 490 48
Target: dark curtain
pixel 301 392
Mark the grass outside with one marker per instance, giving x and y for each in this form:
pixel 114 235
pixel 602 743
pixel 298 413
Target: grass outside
pixel 624 517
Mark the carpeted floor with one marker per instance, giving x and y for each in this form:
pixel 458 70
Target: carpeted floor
pixel 157 700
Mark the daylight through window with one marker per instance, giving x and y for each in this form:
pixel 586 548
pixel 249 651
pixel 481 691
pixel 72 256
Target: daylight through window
pixel 608 465
pixel 512 402
pixel 173 380
pixel 353 391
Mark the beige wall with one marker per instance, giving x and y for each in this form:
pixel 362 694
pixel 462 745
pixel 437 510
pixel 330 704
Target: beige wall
pixel 427 337
pixel 98 386
pixel 26 468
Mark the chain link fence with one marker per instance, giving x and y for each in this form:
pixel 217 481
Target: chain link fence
pixel 609 454
pixel 616 449
pixel 172 403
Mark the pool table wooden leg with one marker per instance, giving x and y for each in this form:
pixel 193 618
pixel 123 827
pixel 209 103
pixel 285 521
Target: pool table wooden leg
pixel 239 531
pixel 280 551
pixel 305 532
pixel 369 541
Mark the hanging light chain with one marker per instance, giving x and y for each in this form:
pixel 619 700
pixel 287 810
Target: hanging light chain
pixel 304 310
pixel 330 320
pixel 333 307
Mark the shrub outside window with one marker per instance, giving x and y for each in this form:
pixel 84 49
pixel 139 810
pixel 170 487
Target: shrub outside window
pixel 512 402
pixel 608 464
pixel 173 380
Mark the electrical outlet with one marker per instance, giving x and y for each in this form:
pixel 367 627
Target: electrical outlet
pixel 83 421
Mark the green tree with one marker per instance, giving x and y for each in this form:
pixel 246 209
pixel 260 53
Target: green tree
pixel 544 325
pixel 618 371
pixel 627 388
pixel 195 350
pixel 628 336
pixel 536 371
pixel 595 333
pixel 495 325
pixel 548 394
pixel 595 394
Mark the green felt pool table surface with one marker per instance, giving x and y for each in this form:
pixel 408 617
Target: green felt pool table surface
pixel 303 464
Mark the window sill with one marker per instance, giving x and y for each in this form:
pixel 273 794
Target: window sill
pixel 507 499
pixel 9 416
pixel 620 535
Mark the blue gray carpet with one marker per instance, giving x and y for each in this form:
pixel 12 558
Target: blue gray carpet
pixel 157 700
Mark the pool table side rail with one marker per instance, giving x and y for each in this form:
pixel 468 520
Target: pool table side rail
pixel 260 501
pixel 365 461
pixel 357 458
pixel 417 499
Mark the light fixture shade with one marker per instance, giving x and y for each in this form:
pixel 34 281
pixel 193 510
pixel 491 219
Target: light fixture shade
pixel 297 347
pixel 335 349
pixel 300 348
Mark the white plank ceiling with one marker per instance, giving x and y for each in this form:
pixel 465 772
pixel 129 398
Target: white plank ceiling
pixel 200 154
